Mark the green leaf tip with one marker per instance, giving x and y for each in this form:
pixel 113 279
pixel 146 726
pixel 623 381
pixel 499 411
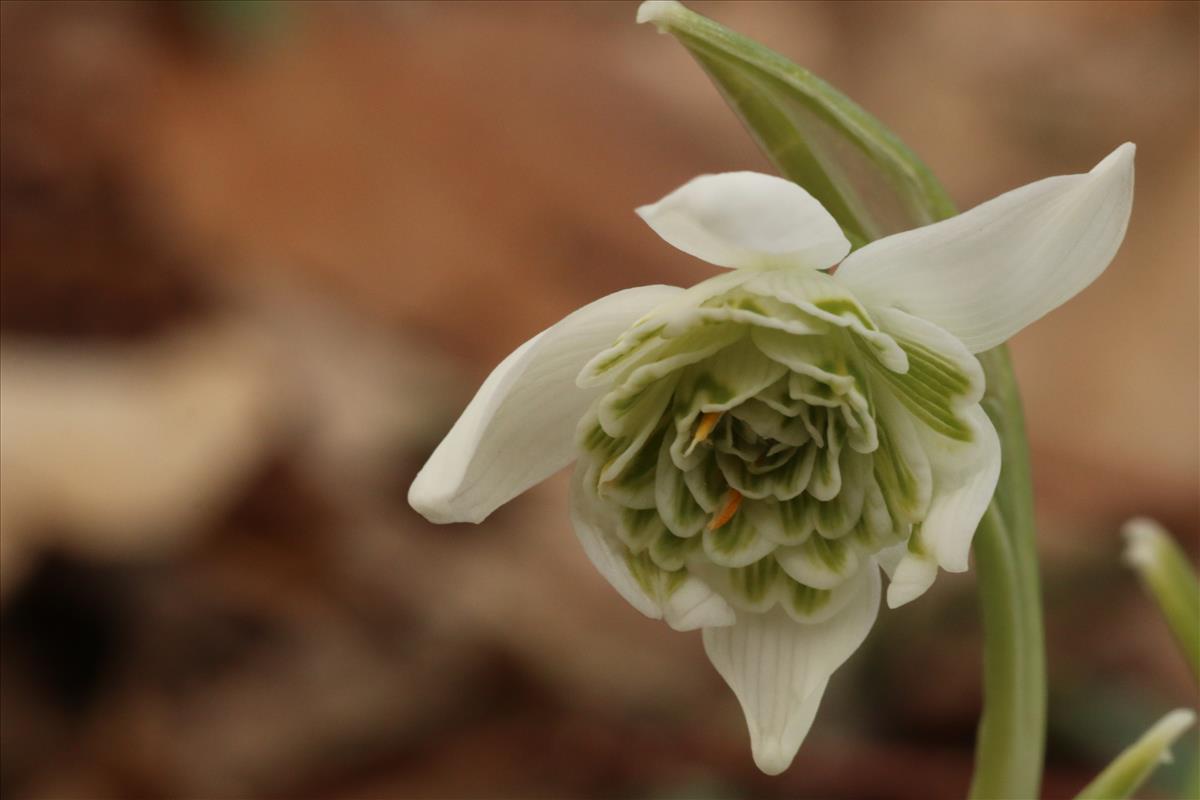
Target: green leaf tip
pixel 1169 578
pixel 1122 777
pixel 853 165
pixel 660 12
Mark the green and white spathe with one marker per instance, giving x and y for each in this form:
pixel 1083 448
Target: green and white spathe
pixel 752 449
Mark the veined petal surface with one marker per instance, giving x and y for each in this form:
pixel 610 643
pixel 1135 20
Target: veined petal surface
pixel 519 428
pixel 747 219
pixel 988 272
pixel 778 668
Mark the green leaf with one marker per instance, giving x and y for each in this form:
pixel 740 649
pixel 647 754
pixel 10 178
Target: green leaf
pixel 1170 580
pixel 1122 777
pixel 874 185
pixel 867 179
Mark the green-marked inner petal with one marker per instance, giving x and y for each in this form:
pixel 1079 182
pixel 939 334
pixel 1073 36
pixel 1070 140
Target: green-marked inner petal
pixel 763 437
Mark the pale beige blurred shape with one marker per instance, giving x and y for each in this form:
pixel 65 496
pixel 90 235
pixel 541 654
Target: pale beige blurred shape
pixel 113 451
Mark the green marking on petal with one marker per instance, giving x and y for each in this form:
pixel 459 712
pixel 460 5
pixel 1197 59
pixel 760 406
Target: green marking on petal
pixel 901 466
pixel 595 440
pixel 936 368
pixel 939 383
pixel 916 544
pixel 875 528
pixel 639 527
pixel 658 583
pixel 673 498
pixel 841 307
pixel 805 600
pixel 670 552
pixel 626 347
pixel 629 409
pixel 736 543
pixel 799 519
pixel 706 482
pixel 819 563
pixel 749 304
pixel 830 552
pixel 628 478
pixel 756 583
pixel 826 480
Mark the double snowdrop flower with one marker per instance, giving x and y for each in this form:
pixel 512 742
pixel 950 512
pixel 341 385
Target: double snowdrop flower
pixel 752 450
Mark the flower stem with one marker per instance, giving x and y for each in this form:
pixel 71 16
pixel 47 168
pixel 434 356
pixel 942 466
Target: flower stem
pixel 1012 731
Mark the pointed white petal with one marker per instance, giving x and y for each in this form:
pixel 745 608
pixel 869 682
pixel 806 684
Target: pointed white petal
pixel 746 219
pixel 910 577
pixel 520 427
pixel 989 272
pixel 685 604
pixel 778 668
pixel 964 479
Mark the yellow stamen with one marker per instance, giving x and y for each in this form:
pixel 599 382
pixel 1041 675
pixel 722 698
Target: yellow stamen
pixel 707 422
pixel 733 501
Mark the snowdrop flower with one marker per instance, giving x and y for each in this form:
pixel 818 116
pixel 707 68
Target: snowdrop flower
pixel 751 450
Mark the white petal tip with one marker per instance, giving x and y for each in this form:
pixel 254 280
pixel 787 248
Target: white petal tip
pixel 1142 536
pixel 1168 729
pixel 1120 158
pixel 1177 721
pixel 899 595
pixel 771 758
pixel 912 578
pixel 435 506
pixel 658 12
pixel 955 562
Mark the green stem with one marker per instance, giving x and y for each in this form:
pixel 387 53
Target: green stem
pixel 1012 731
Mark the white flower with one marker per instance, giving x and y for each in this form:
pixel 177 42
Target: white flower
pixel 751 449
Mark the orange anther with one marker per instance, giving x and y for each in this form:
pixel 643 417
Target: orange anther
pixel 733 501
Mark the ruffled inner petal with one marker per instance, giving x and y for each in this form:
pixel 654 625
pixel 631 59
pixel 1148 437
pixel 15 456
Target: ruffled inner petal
pixel 770 436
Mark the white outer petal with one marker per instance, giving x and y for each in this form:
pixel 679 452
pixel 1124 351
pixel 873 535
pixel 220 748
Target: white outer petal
pixel 964 480
pixel 747 219
pixel 520 427
pixel 693 605
pixel 987 273
pixel 779 668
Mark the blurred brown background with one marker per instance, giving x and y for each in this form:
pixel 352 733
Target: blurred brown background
pixel 256 258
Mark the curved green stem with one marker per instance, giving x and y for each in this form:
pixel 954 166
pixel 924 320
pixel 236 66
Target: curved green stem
pixel 1012 731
